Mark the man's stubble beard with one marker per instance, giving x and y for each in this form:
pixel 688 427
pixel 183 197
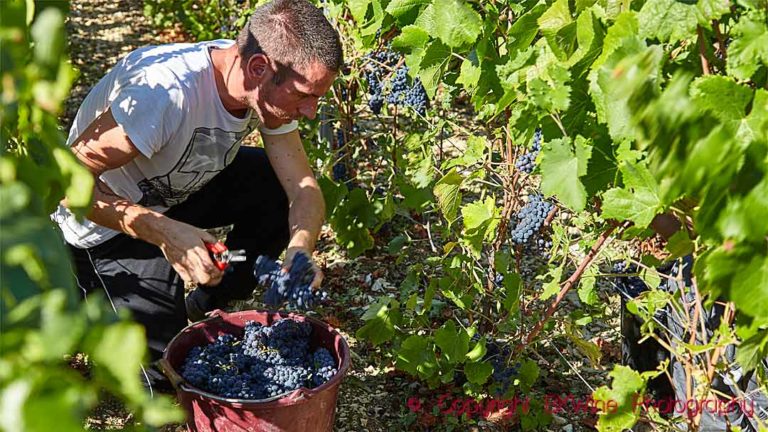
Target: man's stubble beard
pixel 267 112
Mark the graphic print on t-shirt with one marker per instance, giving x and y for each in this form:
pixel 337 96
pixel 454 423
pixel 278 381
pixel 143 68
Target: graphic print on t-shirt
pixel 208 152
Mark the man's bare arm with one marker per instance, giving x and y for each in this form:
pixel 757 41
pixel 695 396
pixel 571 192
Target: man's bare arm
pixel 307 206
pixel 104 146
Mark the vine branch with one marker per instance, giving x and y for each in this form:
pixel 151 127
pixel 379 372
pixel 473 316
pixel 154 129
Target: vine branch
pixel 703 52
pixel 568 284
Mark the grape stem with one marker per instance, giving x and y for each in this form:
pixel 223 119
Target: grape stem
pixel 720 40
pixel 703 52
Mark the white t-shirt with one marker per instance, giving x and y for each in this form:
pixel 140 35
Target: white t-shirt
pixel 165 99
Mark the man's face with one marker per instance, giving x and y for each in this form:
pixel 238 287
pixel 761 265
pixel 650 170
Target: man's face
pixel 294 97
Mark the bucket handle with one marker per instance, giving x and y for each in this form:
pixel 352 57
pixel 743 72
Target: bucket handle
pixel 175 379
pixel 299 394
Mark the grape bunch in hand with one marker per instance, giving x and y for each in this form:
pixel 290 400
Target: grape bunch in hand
pixel 292 286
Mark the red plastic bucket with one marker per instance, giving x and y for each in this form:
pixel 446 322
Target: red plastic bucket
pixel 301 410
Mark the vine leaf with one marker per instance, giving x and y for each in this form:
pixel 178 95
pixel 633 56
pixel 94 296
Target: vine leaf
pixel 400 8
pixel 525 29
pixel 587 291
pixel 749 288
pixel 667 20
pixel 80 187
pixel 480 222
pixel 478 372
pixel 586 347
pixel 469 75
pixel 679 245
pixel 749 355
pixel 359 10
pixel 351 220
pixel 553 286
pixel 50 39
pixel 119 354
pixel 528 374
pixel 721 96
pixel 560 172
pixel 447 192
pixel 432 65
pixel 457 24
pixel 559 28
pixel 750 49
pixel 381 318
pixel 627 386
pixel 453 344
pixel 757 120
pixel 478 351
pixel 416 357
pixel 410 38
pixel 474 153
pixel 639 202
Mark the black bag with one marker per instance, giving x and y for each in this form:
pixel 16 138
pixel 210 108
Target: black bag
pixel 752 406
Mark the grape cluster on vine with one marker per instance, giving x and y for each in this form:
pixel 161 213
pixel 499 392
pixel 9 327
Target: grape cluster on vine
pixel 340 171
pixel 527 162
pixel 392 87
pixel 504 374
pixel 267 361
pixel 292 287
pixel 626 279
pixel 530 218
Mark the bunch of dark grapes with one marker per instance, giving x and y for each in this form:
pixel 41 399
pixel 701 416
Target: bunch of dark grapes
pixel 380 64
pixel 398 86
pixel 292 286
pixel 339 171
pixel 324 366
pixel 503 374
pixel 416 97
pixel 530 218
pixel 542 246
pixel 626 280
pixel 398 91
pixel 527 162
pixel 268 361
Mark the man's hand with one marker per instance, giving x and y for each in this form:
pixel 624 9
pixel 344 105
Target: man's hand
pixel 291 252
pixel 184 247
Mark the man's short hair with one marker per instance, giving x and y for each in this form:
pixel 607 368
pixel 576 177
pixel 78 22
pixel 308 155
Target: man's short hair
pixel 292 33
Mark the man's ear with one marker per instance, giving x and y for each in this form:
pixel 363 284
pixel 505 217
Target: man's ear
pixel 257 66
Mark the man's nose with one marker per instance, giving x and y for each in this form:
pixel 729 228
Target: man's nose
pixel 309 108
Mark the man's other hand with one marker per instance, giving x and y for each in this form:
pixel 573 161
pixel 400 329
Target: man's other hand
pixel 291 252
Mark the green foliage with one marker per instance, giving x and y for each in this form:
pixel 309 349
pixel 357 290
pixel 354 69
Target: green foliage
pixel 203 20
pixel 627 389
pixel 42 320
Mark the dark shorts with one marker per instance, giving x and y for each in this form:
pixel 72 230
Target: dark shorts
pixel 135 275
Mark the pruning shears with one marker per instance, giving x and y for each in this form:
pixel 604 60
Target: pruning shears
pixel 223 256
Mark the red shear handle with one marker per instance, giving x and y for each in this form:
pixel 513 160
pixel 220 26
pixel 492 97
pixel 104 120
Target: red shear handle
pixel 217 251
